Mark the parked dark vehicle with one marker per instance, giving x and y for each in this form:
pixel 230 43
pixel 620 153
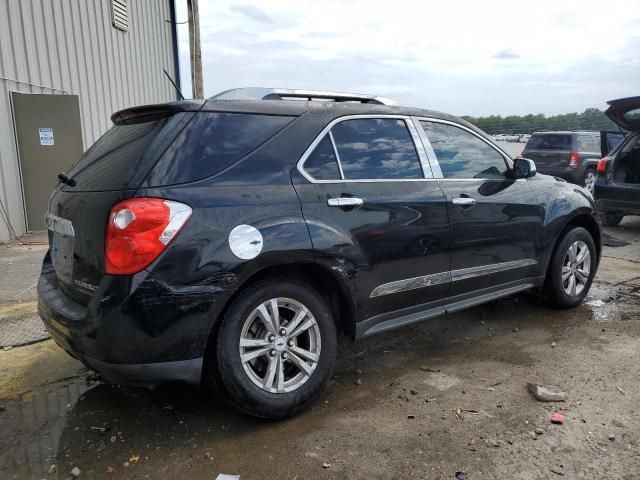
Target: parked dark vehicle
pixel 617 188
pixel 230 241
pixel 570 155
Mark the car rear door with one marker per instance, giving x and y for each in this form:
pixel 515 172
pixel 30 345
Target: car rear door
pixel 495 220
pixel 374 217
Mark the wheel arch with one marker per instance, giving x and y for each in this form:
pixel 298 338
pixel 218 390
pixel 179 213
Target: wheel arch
pixel 333 289
pixel 586 221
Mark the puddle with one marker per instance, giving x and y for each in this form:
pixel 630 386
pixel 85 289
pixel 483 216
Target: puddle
pixel 32 425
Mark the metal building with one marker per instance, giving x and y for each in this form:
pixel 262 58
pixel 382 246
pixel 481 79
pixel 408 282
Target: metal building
pixel 90 58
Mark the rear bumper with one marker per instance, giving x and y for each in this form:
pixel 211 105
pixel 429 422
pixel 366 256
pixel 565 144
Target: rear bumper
pixel 621 199
pixel 147 336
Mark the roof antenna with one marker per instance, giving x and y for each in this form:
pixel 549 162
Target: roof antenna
pixel 174 84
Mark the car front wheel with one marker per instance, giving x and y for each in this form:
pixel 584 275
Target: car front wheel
pixel 572 268
pixel 276 348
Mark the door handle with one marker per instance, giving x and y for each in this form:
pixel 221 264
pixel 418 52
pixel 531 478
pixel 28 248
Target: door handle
pixel 345 202
pixel 463 201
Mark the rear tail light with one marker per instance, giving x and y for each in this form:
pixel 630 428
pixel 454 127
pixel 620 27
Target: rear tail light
pixel 139 230
pixel 602 165
pixel 574 159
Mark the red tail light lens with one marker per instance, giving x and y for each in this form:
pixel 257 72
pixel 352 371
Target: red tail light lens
pixel 602 165
pixel 139 230
pixel 574 159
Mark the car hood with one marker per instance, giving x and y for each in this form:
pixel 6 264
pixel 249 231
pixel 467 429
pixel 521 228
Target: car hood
pixel 625 112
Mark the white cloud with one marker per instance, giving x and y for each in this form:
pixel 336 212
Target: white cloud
pixel 460 57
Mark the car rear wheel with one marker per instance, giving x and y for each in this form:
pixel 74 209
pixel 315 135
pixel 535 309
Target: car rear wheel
pixel 276 348
pixel 572 269
pixel 611 220
pixel 589 179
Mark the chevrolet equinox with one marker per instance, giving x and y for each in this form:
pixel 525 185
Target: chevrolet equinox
pixel 229 241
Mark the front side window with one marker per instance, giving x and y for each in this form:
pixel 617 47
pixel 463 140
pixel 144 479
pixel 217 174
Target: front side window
pixel 376 149
pixel 462 154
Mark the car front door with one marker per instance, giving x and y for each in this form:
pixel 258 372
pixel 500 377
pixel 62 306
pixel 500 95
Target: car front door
pixel 374 217
pixel 495 220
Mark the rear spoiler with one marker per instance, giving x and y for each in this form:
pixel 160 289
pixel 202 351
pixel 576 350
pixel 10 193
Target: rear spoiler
pixel 150 113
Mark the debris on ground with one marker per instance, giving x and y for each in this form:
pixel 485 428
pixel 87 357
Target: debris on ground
pixel 424 368
pixel 100 430
pixel 110 470
pixel 52 469
pixel 75 472
pixel 621 391
pixel 538 431
pixel 553 344
pixel 558 417
pixel 458 413
pixel 612 437
pixel 460 476
pixel 2 408
pixel 134 459
pixel 226 476
pixel 358 372
pixel 358 381
pixel 596 303
pixel 546 393
pixel 411 417
pixel 326 465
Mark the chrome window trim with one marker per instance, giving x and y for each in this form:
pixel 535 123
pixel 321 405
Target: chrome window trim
pixel 335 152
pixel 335 121
pixel 427 144
pixel 433 279
pixel 418 144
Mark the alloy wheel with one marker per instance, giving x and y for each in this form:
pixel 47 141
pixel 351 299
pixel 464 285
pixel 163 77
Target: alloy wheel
pixel 280 345
pixel 576 268
pixel 589 180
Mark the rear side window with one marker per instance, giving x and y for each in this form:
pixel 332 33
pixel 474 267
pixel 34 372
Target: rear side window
pixel 586 143
pixel 212 142
pixel 461 154
pixel 542 141
pixel 322 163
pixel 376 148
pixel 117 158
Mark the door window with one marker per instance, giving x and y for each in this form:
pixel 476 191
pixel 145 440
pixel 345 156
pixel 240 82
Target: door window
pixel 376 148
pixel 462 154
pixel 322 163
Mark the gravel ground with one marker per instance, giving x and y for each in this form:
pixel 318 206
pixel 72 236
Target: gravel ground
pixel 400 421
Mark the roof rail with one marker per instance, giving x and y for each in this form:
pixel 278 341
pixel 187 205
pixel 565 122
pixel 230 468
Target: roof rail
pixel 259 93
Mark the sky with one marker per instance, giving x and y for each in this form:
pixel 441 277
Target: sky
pixel 460 57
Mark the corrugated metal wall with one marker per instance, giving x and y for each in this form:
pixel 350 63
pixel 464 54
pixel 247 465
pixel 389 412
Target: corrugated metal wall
pixel 70 46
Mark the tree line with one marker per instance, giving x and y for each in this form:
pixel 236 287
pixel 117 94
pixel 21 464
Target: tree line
pixel 590 119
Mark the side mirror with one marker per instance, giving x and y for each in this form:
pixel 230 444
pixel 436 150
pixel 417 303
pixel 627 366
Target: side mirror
pixel 523 168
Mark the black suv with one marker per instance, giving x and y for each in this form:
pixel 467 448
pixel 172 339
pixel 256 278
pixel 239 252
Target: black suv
pixel 572 156
pixel 230 241
pixel 617 189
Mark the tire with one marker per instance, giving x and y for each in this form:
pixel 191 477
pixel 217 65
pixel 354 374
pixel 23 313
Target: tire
pixel 589 179
pixel 611 219
pixel 248 384
pixel 562 268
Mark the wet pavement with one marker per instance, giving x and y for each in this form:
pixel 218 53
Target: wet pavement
pixel 400 421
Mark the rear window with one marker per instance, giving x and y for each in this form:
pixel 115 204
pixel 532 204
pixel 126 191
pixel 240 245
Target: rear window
pixel 549 142
pixel 212 142
pixel 116 161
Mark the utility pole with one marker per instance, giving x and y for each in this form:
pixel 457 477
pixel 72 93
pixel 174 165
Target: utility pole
pixel 194 48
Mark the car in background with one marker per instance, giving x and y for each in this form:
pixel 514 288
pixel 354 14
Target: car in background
pixel 617 187
pixel 572 156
